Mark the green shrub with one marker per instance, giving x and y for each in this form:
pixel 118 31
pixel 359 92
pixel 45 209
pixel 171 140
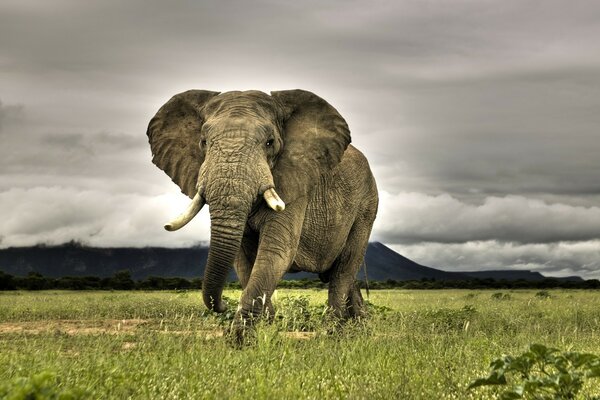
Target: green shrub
pixel 377 309
pixel 446 319
pixel 501 296
pixel 295 313
pixel 42 386
pixel 543 294
pixel 541 373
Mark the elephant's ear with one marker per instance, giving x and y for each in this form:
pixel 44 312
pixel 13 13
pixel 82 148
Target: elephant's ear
pixel 315 137
pixel 174 135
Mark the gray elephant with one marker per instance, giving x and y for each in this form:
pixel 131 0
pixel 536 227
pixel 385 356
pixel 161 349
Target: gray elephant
pixel 286 191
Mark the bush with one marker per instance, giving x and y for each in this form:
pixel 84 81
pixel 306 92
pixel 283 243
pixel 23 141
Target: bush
pixel 541 373
pixel 446 319
pixel 543 294
pixel 501 296
pixel 44 385
pixel 7 281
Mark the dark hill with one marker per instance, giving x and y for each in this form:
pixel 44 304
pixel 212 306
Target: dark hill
pixel 384 263
pixel 512 275
pixel 73 259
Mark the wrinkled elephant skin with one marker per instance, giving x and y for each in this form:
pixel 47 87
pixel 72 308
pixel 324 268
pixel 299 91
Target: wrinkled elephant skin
pixel 286 191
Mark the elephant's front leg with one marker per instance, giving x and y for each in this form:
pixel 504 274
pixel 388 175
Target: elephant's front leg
pixel 245 259
pixel 279 238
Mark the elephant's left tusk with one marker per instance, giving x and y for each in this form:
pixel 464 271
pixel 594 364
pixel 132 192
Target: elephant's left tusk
pixel 193 209
pixel 273 200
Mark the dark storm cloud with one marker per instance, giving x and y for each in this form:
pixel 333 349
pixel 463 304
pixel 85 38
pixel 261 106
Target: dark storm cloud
pixel 32 156
pixel 479 118
pixel 9 114
pixel 516 134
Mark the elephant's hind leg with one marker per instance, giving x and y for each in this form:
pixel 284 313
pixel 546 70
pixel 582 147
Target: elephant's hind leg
pixel 355 303
pixel 344 295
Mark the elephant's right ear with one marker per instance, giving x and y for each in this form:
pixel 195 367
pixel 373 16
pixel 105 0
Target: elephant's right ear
pixel 174 135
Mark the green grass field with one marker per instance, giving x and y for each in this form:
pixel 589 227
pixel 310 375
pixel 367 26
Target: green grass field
pixel 164 345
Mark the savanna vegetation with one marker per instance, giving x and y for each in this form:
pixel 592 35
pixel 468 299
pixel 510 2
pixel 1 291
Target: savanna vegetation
pixel 416 344
pixel 122 280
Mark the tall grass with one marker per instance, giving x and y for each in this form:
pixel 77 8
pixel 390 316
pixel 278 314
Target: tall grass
pixel 415 345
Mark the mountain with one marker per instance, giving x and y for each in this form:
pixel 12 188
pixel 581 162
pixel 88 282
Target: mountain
pixel 512 275
pixel 73 259
pixel 384 263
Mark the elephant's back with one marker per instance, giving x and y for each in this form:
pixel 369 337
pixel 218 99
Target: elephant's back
pixel 354 179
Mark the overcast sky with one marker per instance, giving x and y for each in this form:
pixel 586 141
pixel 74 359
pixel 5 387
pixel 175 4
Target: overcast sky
pixel 481 119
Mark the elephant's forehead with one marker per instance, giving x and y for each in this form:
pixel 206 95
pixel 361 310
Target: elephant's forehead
pixel 240 121
pixel 249 103
pixel 245 93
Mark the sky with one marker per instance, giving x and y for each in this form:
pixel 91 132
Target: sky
pixel 480 119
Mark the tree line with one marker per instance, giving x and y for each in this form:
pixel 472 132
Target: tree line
pixel 122 280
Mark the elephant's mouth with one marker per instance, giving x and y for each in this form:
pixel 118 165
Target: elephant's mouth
pixel 270 195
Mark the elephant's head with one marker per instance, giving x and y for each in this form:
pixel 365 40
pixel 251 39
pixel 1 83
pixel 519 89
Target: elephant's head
pixel 234 150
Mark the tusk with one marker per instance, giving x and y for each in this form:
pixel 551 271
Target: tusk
pixel 193 209
pixel 273 200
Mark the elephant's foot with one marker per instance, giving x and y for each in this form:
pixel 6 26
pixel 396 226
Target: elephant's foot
pixel 348 306
pixel 356 304
pixel 241 334
pixel 242 331
pixel 347 313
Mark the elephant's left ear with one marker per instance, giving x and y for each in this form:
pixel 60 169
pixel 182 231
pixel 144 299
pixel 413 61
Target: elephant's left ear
pixel 315 137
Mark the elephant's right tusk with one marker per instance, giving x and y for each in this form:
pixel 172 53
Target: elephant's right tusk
pixel 273 200
pixel 193 209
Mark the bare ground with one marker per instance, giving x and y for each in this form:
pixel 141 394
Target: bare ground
pixel 114 327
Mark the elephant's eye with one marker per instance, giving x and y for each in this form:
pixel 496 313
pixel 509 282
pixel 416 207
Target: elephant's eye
pixel 269 142
pixel 203 142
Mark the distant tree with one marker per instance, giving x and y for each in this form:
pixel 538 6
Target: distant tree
pixel 121 280
pixel 151 283
pixel 7 281
pixel 592 284
pixel 35 281
pixel 197 283
pixel 78 283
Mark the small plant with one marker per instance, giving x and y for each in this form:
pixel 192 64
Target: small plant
pixel 543 294
pixel 541 373
pixel 295 313
pixel 377 309
pixel 446 319
pixel 41 386
pixel 223 319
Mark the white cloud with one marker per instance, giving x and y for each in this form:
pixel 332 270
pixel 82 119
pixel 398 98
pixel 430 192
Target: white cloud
pixel 417 217
pixel 56 215
pixel 551 259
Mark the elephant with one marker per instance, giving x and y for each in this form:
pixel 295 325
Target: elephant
pixel 286 192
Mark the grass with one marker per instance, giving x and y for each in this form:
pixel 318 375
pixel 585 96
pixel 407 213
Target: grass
pixel 416 345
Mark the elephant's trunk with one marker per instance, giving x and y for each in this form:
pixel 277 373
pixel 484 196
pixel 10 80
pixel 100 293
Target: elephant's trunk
pixel 230 198
pixel 225 241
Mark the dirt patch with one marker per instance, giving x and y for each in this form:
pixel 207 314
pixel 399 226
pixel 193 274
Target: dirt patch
pixel 129 345
pixel 72 327
pixel 299 335
pixel 205 334
pixel 116 327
